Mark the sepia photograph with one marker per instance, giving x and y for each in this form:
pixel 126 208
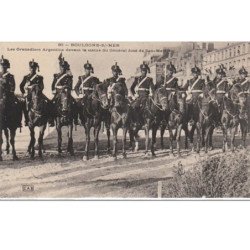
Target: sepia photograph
pixel 124 120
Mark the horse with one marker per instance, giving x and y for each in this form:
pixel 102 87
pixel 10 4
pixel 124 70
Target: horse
pixel 120 117
pixel 230 121
pixel 243 116
pixel 38 117
pixel 176 118
pixel 208 107
pixel 64 117
pixel 93 111
pixel 10 119
pixel 151 114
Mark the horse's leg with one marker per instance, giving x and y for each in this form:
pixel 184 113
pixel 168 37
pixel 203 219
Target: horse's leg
pixel 224 131
pixel 191 137
pixel 178 139
pixel 114 130
pixel 210 138
pixel 1 143
pixel 243 128
pixel 32 142
pixel 146 137
pixel 206 139
pixel 233 132
pixel 96 140
pixel 124 142
pixel 59 138
pixel 154 131
pixel 199 135
pixel 185 128
pixel 163 127
pixel 87 133
pixel 40 140
pixel 171 141
pixel 131 139
pixel 12 142
pixel 6 133
pixel 70 148
pixel 107 125
pixel 203 132
pixel 136 138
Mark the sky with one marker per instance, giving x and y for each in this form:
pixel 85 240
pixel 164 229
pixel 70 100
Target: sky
pixel 101 61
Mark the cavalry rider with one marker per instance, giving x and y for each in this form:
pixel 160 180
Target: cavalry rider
pixel 9 82
pixel 25 87
pixel 194 88
pixel 244 83
pixel 62 80
pixel 170 82
pixel 141 89
pixel 86 83
pixel 110 82
pixel 221 84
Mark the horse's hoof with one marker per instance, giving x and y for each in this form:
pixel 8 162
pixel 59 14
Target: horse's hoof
pixel 7 151
pixel 153 155
pixel 96 157
pixel 32 157
pixel 124 156
pixel 15 158
pixel 72 153
pixel 1 158
pixel 85 158
pixel 114 158
pixel 171 155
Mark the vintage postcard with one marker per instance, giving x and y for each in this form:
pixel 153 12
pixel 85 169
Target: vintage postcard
pixel 134 120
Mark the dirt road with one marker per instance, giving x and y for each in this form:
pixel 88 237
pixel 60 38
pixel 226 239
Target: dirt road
pixel 69 177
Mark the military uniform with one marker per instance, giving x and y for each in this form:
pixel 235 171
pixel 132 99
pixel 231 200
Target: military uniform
pixel 9 82
pixel 26 85
pixel 244 84
pixel 110 83
pixel 63 80
pixel 86 83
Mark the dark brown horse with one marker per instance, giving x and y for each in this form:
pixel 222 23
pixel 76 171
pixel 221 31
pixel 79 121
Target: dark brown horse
pixel 120 117
pixel 93 111
pixel 151 114
pixel 38 117
pixel 176 119
pixel 208 107
pixel 64 117
pixel 10 118
pixel 230 121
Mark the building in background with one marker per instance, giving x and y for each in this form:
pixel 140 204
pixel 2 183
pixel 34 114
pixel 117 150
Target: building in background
pixel 184 57
pixel 233 56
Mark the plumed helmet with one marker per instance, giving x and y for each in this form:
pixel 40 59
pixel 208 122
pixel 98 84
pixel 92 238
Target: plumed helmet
pixel 5 62
pixel 196 70
pixel 171 67
pixel 144 66
pixel 116 68
pixel 88 66
pixel 34 65
pixel 63 63
pixel 243 71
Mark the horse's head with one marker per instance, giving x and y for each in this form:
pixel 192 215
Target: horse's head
pixel 101 95
pixel 65 100
pixel 118 95
pixel 161 97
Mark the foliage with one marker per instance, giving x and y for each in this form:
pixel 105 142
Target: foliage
pixel 215 177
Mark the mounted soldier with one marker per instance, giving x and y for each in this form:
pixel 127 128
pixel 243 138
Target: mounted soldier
pixel 9 82
pixel 221 84
pixel 61 80
pixel 110 82
pixel 26 85
pixel 86 83
pixel 194 87
pixel 244 85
